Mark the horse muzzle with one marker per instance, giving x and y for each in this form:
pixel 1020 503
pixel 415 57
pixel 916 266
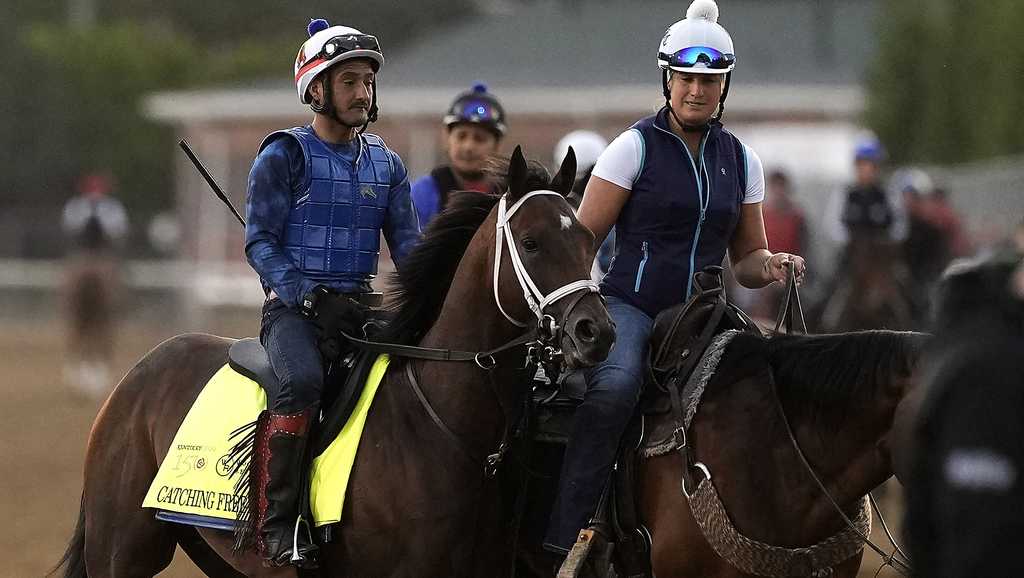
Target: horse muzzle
pixel 588 333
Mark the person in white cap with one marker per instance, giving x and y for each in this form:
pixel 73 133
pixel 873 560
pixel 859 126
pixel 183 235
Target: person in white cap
pixel 319 197
pixel 588 146
pixel 682 192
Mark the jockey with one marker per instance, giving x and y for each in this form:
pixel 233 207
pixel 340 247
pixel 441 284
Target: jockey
pixel 864 208
pixel 318 198
pixel 474 127
pixel 682 192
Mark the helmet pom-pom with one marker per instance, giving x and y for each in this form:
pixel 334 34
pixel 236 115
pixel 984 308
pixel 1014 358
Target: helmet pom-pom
pixel 703 9
pixel 316 25
pixel 479 87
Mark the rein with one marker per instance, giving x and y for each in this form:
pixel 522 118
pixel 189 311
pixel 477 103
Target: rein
pixel 791 312
pixel 749 555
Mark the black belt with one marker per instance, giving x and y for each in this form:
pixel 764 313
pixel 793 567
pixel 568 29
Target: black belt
pixel 372 299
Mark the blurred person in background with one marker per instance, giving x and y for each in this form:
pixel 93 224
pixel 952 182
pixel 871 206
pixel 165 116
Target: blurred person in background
pixel 681 192
pixel 940 212
pixel 588 146
pixel 965 484
pixel 315 256
pixel 864 209
pixel 474 127
pixel 869 286
pixel 1018 237
pixel 785 226
pixel 95 225
pixel 926 247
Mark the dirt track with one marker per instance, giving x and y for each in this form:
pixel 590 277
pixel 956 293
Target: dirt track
pixel 43 431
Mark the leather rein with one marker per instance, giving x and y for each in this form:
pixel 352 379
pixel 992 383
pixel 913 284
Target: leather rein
pixel 791 316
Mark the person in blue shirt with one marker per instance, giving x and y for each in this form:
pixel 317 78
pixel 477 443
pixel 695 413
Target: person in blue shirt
pixel 682 192
pixel 474 127
pixel 318 198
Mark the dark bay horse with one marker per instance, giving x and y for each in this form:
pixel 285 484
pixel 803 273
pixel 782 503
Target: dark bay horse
pixel 838 393
pixel 872 290
pixel 90 294
pixel 418 501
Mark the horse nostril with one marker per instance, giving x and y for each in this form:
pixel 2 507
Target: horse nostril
pixel 586 330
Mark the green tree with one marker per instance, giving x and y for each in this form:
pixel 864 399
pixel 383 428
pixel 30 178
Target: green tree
pixel 948 83
pixel 71 97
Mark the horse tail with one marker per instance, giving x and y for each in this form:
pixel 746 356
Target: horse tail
pixel 73 561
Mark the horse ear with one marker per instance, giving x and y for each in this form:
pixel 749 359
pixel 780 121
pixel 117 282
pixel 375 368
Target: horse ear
pixel 566 176
pixel 517 174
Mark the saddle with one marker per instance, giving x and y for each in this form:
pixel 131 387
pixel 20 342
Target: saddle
pixel 682 333
pixel 344 381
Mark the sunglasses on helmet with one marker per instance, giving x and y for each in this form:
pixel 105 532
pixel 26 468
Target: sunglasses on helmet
pixel 698 57
pixel 347 43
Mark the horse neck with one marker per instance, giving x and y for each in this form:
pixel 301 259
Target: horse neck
pixel 474 403
pixel 849 455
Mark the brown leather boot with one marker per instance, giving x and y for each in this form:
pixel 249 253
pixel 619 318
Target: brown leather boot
pixel 282 538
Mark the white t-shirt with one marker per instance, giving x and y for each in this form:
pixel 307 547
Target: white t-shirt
pixel 621 162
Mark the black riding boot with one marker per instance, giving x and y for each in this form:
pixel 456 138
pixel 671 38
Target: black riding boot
pixel 277 477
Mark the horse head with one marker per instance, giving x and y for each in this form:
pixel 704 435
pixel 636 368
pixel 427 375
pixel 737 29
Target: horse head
pixel 542 263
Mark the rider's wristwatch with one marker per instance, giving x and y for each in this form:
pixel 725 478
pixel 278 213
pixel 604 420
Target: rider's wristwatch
pixel 309 301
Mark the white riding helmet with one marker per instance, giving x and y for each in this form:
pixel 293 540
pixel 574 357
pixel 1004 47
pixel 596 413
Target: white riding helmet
pixel 698 43
pixel 588 146
pixel 327 46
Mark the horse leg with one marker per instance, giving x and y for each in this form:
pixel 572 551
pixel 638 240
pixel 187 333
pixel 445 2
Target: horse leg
pixel 128 440
pixel 122 540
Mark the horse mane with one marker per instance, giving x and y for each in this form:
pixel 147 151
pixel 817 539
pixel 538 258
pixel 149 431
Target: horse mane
pixel 830 375
pixel 421 284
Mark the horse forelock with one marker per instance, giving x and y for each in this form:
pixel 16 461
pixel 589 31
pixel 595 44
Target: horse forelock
pixel 831 375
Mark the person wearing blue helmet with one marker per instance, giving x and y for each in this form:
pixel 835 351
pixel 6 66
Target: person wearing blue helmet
pixel 864 208
pixel 474 127
pixel 682 193
pixel 319 197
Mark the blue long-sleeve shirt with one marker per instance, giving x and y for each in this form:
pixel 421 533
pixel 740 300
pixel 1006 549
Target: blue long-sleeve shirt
pixel 276 179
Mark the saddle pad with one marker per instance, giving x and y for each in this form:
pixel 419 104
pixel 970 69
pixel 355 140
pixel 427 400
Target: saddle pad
pixel 192 478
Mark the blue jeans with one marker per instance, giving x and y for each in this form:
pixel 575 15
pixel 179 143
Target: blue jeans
pixel 613 390
pixel 291 343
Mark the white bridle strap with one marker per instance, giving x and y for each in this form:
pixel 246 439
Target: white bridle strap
pixel 535 299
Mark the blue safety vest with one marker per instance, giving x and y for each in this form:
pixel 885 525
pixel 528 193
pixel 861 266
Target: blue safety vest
pixel 335 221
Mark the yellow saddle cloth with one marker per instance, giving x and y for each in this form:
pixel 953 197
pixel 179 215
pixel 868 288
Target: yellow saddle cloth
pixel 193 478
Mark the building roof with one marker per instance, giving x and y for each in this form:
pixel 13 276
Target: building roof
pixel 614 42
pixel 794 57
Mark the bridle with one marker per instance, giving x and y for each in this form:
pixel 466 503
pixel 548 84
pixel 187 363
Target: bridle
pixel 541 342
pixel 534 297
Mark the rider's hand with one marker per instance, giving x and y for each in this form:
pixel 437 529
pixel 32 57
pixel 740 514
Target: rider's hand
pixel 334 313
pixel 775 267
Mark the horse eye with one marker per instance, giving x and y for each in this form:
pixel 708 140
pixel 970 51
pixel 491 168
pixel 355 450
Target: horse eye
pixel 529 244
